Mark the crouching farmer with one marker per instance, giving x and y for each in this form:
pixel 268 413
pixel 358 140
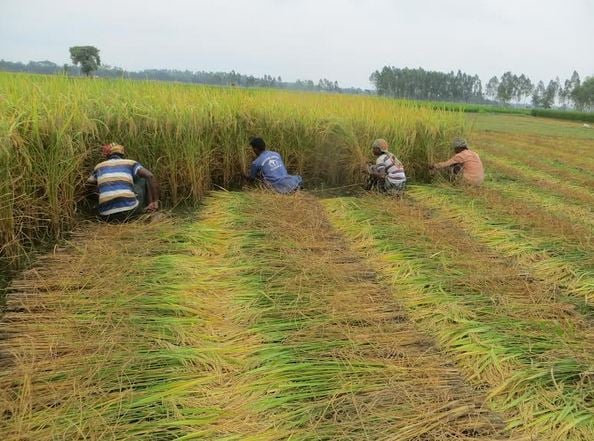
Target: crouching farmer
pixel 126 189
pixel 387 174
pixel 269 168
pixel 465 165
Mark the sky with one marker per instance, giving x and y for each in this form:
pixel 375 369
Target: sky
pixel 343 40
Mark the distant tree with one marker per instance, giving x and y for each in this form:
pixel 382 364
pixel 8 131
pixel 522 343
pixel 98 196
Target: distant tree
pixel 566 94
pixel 583 95
pixel 251 81
pixel 87 57
pixel 525 87
pixel 507 87
pixel 538 94
pixel 550 94
pixel 491 88
pixel 186 76
pixel 427 85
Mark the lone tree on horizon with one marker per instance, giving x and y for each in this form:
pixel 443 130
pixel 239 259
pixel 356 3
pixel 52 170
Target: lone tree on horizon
pixel 87 57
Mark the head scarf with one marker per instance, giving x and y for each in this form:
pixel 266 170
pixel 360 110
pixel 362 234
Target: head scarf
pixel 112 149
pixel 459 143
pixel 381 144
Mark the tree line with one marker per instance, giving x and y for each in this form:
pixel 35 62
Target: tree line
pixel 184 76
pixel 407 83
pixel 509 88
pixel 420 84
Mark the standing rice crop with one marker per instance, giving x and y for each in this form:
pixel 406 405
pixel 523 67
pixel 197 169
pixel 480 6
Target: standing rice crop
pixel 191 137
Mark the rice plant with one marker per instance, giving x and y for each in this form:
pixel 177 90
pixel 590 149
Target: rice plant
pixel 191 137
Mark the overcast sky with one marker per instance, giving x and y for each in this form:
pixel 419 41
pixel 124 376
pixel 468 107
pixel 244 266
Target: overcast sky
pixel 343 40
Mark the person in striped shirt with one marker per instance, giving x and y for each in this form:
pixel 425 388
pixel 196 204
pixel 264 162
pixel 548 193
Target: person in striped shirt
pixel 387 174
pixel 125 187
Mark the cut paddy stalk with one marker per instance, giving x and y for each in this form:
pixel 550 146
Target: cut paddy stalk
pixel 546 167
pixel 230 328
pixel 132 333
pixel 499 201
pixel 342 361
pixel 568 267
pixel 561 211
pixel 563 153
pixel 509 334
pixel 543 181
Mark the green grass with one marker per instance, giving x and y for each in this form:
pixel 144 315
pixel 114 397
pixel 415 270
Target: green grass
pixel 476 108
pixel 563 114
pixel 529 125
pixel 509 110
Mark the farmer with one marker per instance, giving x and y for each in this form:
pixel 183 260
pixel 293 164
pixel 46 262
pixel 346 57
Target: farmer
pixel 125 187
pixel 465 163
pixel 270 169
pixel 387 174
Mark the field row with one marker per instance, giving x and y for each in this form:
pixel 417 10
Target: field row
pixel 273 317
pixel 257 322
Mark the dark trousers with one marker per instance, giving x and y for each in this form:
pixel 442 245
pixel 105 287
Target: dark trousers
pixel 141 191
pixel 454 171
pixel 374 183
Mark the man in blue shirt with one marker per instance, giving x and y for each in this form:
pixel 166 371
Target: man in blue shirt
pixel 270 168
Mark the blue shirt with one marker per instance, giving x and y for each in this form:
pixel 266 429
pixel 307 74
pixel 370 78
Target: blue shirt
pixel 270 167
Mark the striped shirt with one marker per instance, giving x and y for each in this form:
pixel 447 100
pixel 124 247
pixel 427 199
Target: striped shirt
pixel 392 167
pixel 115 182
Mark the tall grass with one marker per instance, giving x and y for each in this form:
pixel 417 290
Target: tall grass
pixel 191 137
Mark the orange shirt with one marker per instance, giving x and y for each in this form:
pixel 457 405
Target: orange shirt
pixel 472 170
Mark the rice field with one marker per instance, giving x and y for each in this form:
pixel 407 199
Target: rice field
pixel 449 314
pixel 192 138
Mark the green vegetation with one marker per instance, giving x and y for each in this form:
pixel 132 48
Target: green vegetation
pixel 87 57
pixel 477 108
pixel 507 126
pixel 563 114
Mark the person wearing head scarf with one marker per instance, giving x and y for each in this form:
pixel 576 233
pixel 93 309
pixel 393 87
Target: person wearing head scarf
pixel 387 174
pixel 125 187
pixel 465 163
